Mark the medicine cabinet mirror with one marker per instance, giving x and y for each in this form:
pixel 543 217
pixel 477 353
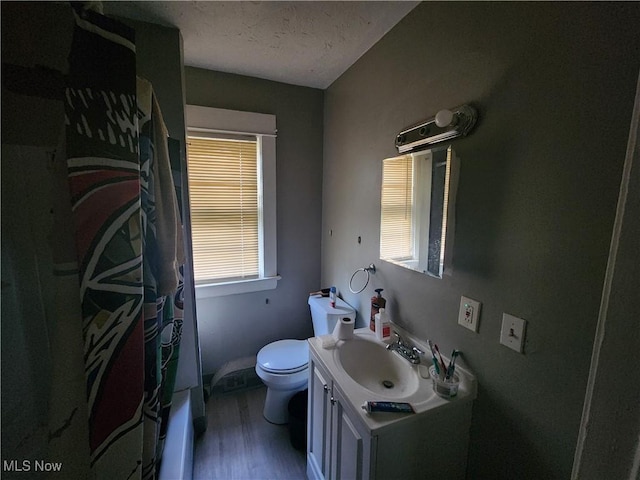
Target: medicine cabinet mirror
pixel 417 210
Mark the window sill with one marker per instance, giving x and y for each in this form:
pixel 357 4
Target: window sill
pixel 235 287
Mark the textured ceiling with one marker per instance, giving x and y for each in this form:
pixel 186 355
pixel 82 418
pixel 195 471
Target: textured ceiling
pixel 302 43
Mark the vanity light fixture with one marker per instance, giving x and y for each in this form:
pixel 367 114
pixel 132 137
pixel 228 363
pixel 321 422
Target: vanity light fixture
pixel 447 124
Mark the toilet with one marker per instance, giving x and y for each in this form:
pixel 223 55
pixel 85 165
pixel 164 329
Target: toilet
pixel 283 365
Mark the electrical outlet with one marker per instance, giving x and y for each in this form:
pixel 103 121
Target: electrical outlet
pixel 469 314
pixel 512 332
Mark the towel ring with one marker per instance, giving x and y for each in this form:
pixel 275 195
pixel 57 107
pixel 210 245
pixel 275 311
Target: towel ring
pixel 369 270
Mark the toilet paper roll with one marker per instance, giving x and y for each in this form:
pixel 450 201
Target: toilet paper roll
pixel 344 329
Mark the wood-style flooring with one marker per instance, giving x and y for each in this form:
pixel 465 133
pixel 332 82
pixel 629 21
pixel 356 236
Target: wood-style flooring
pixel 239 444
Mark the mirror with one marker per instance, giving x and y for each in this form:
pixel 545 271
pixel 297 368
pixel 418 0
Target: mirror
pixel 417 207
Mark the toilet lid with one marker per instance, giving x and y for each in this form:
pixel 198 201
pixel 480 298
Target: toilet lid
pixel 284 356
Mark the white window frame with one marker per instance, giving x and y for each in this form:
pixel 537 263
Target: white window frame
pixel 263 127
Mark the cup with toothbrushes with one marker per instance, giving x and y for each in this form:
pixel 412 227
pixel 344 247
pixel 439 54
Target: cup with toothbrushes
pixel 445 388
pixel 445 380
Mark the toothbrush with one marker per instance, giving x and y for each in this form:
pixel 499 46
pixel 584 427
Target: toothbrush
pixel 436 367
pixel 430 343
pixel 452 364
pixel 433 352
pixel 435 360
pixel 444 367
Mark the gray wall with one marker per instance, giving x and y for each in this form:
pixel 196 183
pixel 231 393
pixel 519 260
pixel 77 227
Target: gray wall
pixel 539 180
pixel 239 325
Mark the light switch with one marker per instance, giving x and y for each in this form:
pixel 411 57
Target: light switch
pixel 469 314
pixel 512 332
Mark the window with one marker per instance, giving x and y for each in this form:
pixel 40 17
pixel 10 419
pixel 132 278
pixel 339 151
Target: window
pixel 223 188
pixel 231 171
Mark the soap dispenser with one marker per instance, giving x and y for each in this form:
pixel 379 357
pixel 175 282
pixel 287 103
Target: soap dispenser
pixel 377 302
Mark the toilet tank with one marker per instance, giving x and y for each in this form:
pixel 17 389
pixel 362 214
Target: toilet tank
pixel 324 316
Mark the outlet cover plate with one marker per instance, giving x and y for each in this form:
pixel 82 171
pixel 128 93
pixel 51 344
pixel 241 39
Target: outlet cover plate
pixel 469 315
pixel 512 332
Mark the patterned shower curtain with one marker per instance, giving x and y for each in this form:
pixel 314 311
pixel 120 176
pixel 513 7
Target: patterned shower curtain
pixel 162 256
pixel 128 244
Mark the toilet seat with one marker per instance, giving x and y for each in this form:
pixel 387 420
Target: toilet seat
pixel 284 357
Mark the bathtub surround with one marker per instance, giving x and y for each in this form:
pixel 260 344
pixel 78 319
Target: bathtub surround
pixel 554 85
pixel 179 449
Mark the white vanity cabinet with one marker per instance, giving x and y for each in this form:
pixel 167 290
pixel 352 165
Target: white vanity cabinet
pixel 350 446
pixel 344 442
pixel 339 447
pixel 318 422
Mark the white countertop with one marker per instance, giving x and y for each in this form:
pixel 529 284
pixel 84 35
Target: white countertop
pixel 424 401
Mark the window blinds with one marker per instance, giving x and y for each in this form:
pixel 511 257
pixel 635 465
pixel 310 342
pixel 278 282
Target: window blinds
pixel 396 225
pixel 223 198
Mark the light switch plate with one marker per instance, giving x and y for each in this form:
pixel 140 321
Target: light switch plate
pixel 512 332
pixel 469 314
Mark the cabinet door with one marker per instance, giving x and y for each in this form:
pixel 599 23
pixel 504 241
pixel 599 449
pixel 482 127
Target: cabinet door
pixel 347 444
pixel 318 452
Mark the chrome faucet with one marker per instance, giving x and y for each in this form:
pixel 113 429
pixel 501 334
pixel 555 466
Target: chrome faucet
pixel 406 351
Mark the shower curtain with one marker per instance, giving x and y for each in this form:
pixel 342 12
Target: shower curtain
pixel 122 340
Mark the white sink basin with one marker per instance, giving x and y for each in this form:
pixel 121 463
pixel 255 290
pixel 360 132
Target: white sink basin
pixel 361 366
pixel 377 369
